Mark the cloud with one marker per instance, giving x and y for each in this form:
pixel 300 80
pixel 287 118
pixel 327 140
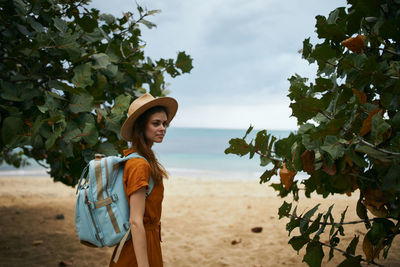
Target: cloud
pixel 243 51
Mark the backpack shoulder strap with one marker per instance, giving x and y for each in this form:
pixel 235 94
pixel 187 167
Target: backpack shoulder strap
pixel 136 155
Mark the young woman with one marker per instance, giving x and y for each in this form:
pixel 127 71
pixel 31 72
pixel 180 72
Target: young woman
pixel 147 121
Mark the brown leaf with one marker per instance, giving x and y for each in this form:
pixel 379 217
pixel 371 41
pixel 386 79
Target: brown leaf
pixel 307 159
pixel 349 161
pixel 374 197
pixel 367 123
pixel 235 242
pixel 329 170
pixel 65 263
pixel 99 116
pixel 355 44
pixel 37 242
pixel 380 213
pixel 256 229
pixel 287 176
pixel 371 252
pixel 362 97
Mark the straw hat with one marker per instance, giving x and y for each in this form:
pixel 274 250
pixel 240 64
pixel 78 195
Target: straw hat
pixel 140 105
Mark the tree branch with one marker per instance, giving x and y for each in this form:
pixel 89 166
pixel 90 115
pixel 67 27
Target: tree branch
pixel 348 254
pixel 343 223
pixel 266 156
pixel 377 148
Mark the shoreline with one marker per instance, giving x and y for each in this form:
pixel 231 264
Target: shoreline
pixel 204 223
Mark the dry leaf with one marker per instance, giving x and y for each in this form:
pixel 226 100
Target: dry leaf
pixel 329 170
pixel 380 213
pixel 287 176
pixel 235 242
pixel 37 242
pixel 307 159
pixel 65 263
pixel 362 97
pixel 256 229
pixel 355 44
pixel 374 197
pixel 367 123
pixel 371 252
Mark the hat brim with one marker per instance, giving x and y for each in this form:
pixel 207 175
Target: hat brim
pixel 168 102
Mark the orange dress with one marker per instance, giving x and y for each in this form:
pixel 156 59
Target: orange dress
pixel 137 175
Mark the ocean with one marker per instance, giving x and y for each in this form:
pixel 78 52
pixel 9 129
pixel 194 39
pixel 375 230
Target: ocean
pixel 193 153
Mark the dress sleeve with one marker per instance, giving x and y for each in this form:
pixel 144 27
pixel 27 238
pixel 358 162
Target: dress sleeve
pixel 136 175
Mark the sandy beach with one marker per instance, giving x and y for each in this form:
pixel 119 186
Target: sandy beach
pixel 205 223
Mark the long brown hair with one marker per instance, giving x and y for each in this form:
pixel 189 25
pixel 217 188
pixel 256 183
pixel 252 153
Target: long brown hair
pixel 141 145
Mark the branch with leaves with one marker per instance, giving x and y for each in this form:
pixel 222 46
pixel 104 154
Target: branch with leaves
pixel 68 76
pixel 348 136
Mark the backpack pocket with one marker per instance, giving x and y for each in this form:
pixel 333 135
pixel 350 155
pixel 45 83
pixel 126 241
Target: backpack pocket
pixel 85 223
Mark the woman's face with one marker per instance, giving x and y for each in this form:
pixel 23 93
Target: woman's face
pixel 156 127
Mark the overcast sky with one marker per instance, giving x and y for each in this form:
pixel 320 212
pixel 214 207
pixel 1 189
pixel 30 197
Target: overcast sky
pixel 243 53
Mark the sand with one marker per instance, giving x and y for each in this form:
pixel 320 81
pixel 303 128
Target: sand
pixel 205 223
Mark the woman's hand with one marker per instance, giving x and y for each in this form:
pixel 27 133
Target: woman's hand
pixel 137 205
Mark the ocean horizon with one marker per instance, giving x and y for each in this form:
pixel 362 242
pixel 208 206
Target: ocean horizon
pixel 192 153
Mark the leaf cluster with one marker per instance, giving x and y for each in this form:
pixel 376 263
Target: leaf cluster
pixel 68 75
pixel 348 136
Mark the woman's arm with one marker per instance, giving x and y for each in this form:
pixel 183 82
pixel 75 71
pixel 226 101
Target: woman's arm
pixel 137 206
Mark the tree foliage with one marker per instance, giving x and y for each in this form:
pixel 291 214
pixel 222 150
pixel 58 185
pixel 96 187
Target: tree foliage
pixel 68 75
pixel 348 137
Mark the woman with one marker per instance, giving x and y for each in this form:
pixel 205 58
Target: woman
pixel 147 121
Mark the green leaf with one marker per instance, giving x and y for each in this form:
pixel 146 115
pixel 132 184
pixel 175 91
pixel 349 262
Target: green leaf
pixel 90 134
pixel 147 23
pixel 108 18
pixel 284 209
pixel 356 158
pixel 87 23
pixel 351 249
pixel 326 216
pixel 152 12
pixel 306 218
pixel 101 61
pixel 52 139
pixel 121 104
pixel 107 149
pixel 314 225
pixel 35 25
pixel 261 142
pixel 298 242
pixel 238 146
pixel 305 109
pixel 328 30
pixel 311 212
pixel 378 128
pixel 391 181
pixel 81 103
pixel 248 131
pixel 60 24
pixel 82 77
pixel 307 49
pixel 283 147
pixel 314 254
pixel 333 147
pixel 184 62
pixel 11 127
pixel 72 133
pixel 351 262
pixel 373 153
pixel 266 176
pixel 361 210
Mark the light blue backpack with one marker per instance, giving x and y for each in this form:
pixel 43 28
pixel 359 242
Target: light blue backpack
pixel 102 210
